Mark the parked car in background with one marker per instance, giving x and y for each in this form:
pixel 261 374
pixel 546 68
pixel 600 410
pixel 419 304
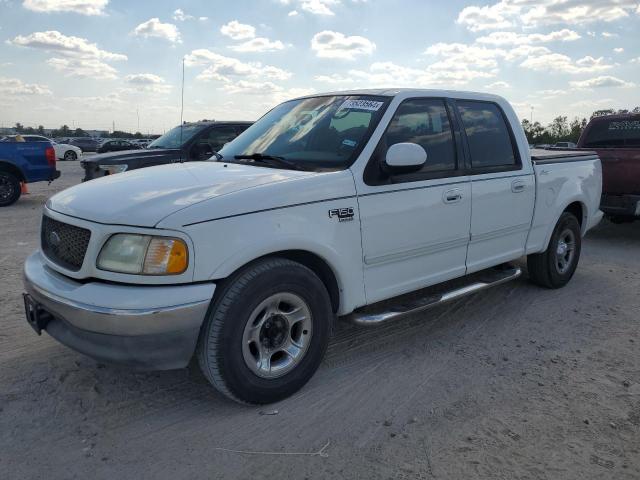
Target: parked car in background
pixel 141 142
pixel 564 145
pixel 116 146
pixel 86 144
pixel 616 139
pixel 64 151
pixel 190 142
pixel 24 162
pixel 329 205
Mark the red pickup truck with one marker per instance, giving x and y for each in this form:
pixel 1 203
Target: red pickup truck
pixel 616 139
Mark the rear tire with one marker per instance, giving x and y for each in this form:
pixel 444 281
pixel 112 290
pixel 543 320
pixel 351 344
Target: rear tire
pixel 70 155
pixel 266 331
pixel 554 267
pixel 9 188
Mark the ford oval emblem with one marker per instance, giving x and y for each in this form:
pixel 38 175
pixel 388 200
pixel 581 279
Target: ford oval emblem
pixel 54 239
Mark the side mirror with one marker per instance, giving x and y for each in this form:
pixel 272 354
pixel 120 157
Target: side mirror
pixel 405 157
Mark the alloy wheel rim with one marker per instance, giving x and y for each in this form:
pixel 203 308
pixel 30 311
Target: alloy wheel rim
pixel 277 335
pixel 6 189
pixel 565 251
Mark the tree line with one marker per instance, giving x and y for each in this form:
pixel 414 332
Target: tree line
pixel 67 132
pixel 561 130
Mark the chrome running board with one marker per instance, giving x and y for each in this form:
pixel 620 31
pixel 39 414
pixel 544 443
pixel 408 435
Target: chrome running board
pixel 402 306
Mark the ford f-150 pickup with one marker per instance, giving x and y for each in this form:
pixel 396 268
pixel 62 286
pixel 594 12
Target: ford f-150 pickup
pixel 364 205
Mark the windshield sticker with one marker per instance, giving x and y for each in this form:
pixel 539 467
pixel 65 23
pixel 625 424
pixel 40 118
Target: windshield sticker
pixel 625 125
pixel 349 143
pixel 361 105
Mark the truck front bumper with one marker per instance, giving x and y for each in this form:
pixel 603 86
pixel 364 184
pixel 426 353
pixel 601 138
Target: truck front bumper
pixel 146 327
pixel 620 205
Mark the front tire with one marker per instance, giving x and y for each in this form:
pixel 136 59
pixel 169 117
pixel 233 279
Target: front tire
pixel 9 189
pixel 554 267
pixel 70 155
pixel 266 332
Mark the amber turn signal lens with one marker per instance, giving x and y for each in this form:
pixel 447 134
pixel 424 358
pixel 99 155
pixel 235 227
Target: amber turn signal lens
pixel 166 256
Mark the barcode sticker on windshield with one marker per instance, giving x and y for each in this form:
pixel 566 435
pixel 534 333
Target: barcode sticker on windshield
pixel 361 105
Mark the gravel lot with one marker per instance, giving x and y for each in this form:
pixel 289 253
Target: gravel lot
pixel 517 382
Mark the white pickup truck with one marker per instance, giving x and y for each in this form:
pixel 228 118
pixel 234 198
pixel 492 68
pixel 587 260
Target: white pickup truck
pixel 363 205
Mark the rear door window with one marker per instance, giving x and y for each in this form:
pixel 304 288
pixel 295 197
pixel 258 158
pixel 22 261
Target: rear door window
pixel 613 133
pixel 488 136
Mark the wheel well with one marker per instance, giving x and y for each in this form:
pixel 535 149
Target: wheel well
pixel 319 266
pixel 577 210
pixel 8 167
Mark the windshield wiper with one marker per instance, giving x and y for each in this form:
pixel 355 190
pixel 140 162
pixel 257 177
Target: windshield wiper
pixel 269 160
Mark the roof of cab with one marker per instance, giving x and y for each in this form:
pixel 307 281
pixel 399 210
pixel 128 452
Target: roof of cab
pixel 409 92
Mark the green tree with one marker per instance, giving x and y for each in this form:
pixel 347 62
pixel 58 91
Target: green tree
pixel 559 128
pixel 575 129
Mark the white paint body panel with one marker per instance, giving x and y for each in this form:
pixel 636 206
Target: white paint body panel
pixel 402 237
pixel 501 218
pixel 412 238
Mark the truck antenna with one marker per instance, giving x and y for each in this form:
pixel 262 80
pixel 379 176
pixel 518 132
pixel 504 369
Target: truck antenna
pixel 182 110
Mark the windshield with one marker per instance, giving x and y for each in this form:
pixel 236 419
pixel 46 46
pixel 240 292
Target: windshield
pixel 317 132
pixel 613 133
pixel 171 139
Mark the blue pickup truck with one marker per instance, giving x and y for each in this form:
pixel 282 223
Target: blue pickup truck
pixel 24 162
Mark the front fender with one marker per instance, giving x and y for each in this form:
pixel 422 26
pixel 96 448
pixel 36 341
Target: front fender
pixel 223 246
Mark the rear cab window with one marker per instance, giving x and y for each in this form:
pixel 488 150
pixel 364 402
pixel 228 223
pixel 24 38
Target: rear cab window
pixel 607 133
pixel 489 139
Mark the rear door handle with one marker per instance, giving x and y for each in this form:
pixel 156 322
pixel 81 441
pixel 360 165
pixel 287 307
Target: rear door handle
pixel 518 186
pixel 452 196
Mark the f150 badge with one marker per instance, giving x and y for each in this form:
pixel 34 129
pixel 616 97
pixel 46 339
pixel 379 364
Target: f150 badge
pixel 343 214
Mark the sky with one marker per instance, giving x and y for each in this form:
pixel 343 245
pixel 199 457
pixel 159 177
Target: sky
pixel 96 64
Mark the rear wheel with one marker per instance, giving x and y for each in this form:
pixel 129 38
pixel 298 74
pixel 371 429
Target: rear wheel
pixel 554 267
pixel 9 189
pixel 266 332
pixel 70 155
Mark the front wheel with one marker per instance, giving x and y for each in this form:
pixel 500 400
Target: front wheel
pixel 554 267
pixel 266 332
pixel 9 189
pixel 70 155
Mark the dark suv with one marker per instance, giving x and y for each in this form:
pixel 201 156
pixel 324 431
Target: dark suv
pixel 616 139
pixel 86 144
pixel 190 142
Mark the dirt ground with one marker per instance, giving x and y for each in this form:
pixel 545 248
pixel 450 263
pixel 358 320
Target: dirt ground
pixel 514 383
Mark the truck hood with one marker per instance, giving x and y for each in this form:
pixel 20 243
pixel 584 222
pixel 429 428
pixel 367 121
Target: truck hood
pixel 114 158
pixel 144 197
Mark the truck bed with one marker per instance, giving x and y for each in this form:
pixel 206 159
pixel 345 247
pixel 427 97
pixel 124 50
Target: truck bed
pixel 544 157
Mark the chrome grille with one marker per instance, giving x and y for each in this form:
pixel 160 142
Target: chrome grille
pixel 64 244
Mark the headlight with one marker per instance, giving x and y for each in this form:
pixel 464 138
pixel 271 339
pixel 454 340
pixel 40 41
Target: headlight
pixel 144 255
pixel 113 168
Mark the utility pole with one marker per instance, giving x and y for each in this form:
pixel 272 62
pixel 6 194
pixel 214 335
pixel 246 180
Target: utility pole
pixel 531 114
pixel 113 124
pixel 138 115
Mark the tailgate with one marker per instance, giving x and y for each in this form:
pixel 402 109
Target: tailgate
pixel 620 170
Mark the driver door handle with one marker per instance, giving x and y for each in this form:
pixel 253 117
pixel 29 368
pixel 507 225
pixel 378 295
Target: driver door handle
pixel 452 196
pixel 518 186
